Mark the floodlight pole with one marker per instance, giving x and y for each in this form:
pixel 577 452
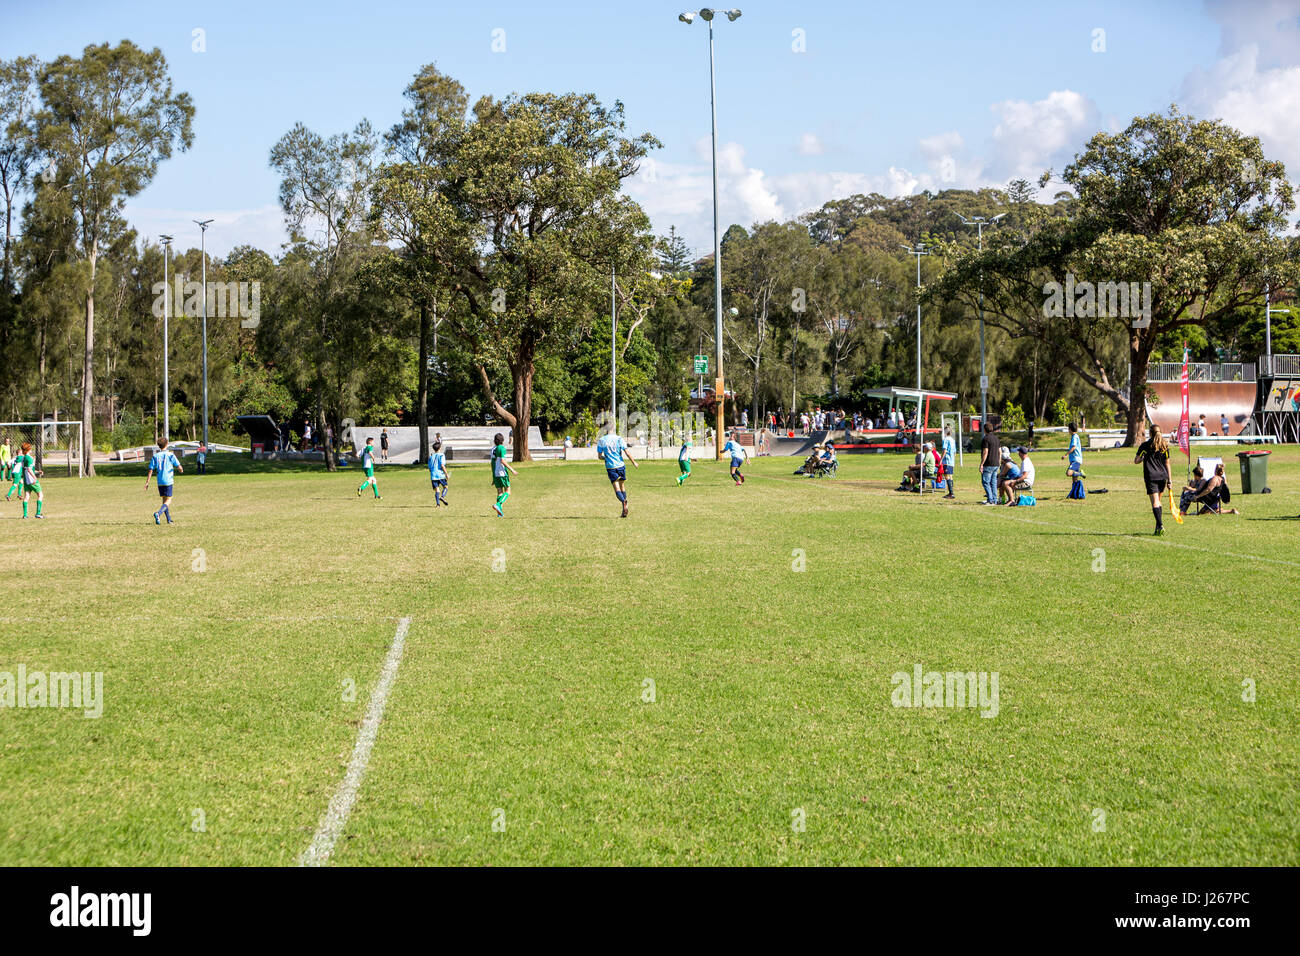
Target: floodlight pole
pixel 979 222
pixel 167 295
pixel 613 349
pixel 919 251
pixel 719 384
pixel 203 245
pixel 1269 312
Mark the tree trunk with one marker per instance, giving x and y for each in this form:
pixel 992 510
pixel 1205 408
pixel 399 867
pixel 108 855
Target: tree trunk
pixel 1139 354
pixel 88 375
pixel 523 380
pixel 422 415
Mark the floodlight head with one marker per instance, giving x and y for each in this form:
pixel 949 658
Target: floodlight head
pixel 997 217
pixel 733 15
pixel 166 239
pixel 686 17
pixel 706 14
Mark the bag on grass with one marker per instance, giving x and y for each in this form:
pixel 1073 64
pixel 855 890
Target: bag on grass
pixel 1076 489
pixel 1027 501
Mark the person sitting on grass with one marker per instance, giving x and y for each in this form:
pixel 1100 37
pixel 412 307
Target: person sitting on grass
pixel 1192 489
pixel 812 462
pixel 923 469
pixel 827 459
pixel 1018 477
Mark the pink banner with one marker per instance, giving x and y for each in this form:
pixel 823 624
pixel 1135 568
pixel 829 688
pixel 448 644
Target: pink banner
pixel 1184 423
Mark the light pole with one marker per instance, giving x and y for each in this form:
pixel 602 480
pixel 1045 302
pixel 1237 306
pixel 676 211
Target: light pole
pixel 1269 312
pixel 719 392
pixel 167 296
pixel 613 349
pixel 203 245
pixel 919 251
pixel 979 222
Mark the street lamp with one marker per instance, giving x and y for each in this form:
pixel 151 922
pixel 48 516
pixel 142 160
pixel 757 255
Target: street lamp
pixel 920 250
pixel 719 393
pixel 1269 312
pixel 203 243
pixel 979 222
pixel 167 295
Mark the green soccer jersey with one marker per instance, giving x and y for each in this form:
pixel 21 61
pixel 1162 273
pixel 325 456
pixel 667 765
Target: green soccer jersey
pixel 21 466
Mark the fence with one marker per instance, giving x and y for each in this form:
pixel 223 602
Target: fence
pixel 56 446
pixel 1202 371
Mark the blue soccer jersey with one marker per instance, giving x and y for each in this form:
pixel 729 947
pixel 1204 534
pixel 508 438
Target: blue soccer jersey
pixel 611 448
pixel 438 467
pixel 164 464
pixel 949 450
pixel 1076 450
pixel 736 449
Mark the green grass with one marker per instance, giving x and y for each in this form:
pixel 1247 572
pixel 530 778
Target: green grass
pixel 522 690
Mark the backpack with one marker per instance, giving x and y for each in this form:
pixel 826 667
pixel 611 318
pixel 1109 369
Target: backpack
pixel 1224 494
pixel 1027 501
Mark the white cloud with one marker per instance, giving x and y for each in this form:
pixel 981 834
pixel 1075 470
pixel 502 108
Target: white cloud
pixel 1032 137
pixel 1255 85
pixel 810 145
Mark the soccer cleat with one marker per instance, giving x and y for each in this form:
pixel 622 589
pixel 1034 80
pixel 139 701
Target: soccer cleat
pixel 497 509
pixel 358 492
pixel 1158 532
pixel 155 518
pixel 40 516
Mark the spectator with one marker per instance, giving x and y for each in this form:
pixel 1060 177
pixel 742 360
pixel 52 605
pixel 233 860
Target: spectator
pixel 990 449
pixel 1224 424
pixel 306 436
pixel 1019 477
pixel 383 445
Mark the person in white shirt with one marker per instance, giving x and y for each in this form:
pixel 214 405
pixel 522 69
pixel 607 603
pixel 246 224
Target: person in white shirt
pixel 1020 478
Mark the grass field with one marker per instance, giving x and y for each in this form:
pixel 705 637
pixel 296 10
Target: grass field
pixel 228 641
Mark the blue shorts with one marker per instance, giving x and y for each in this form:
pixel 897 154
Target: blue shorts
pixel 737 462
pixel 165 491
pixel 616 474
pixel 1013 474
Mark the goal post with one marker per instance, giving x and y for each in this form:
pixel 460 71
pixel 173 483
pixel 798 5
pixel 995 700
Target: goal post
pixel 56 446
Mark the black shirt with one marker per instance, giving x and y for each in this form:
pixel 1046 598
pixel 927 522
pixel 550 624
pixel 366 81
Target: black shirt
pixel 993 447
pixel 1155 467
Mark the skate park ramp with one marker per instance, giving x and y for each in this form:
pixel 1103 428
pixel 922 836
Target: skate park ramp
pixel 1211 399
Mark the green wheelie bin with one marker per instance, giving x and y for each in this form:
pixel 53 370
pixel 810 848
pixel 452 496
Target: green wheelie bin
pixel 1254 472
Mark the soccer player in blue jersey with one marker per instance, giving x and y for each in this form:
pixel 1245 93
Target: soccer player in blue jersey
pixel 163 464
pixel 738 455
pixel 613 449
pixel 949 458
pixel 438 473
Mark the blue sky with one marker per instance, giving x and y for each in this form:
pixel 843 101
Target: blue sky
pixel 888 97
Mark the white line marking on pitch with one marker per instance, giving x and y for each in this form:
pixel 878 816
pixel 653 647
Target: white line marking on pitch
pixel 336 817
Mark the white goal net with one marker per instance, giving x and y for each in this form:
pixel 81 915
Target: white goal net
pixel 56 446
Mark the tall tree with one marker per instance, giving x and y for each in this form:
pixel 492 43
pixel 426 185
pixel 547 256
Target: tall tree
pixel 1190 210
pixel 527 221
pixel 107 120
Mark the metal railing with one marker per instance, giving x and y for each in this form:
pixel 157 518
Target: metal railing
pixel 1280 366
pixel 1203 371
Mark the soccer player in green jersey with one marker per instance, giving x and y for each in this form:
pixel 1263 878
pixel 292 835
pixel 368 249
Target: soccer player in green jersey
pixel 684 463
pixel 501 472
pixel 368 463
pixel 25 469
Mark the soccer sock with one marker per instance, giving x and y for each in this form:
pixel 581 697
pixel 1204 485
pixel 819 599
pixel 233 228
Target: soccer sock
pixel 1159 512
pixel 38 507
pixel 501 498
pixel 374 486
pixel 621 496
pixel 950 491
pixel 24 508
pixel 363 486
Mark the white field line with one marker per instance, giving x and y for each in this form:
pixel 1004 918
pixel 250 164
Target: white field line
pixel 336 817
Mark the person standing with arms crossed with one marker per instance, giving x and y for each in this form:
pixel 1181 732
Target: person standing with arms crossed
pixel 990 455
pixel 1153 456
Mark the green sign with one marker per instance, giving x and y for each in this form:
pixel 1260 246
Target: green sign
pixel 701 365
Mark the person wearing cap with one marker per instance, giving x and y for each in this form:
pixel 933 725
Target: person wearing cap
pixel 1018 477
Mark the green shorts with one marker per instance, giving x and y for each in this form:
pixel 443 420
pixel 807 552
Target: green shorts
pixel 501 481
pixel 370 472
pixel 34 489
pixel 685 465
